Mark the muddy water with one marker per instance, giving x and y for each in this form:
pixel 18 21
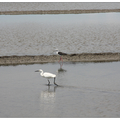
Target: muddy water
pixel 71 33
pixel 85 90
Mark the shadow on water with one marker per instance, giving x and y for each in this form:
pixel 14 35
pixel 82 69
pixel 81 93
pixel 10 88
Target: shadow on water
pixel 60 86
pixel 52 89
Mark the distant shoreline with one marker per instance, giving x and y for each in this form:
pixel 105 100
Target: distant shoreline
pixel 83 57
pixel 58 11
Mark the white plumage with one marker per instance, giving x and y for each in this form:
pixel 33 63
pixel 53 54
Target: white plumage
pixel 47 75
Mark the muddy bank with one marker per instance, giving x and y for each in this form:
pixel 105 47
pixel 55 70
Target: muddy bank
pixel 58 11
pixel 84 57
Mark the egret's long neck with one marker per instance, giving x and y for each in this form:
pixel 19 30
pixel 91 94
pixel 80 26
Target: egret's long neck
pixel 41 73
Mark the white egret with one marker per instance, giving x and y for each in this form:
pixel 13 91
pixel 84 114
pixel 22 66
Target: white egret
pixel 47 75
pixel 60 53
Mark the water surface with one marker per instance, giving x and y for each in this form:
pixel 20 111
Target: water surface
pixel 27 6
pixel 71 33
pixel 85 90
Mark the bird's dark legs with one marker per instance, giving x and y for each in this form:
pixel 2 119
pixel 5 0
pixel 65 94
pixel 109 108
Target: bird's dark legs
pixel 48 82
pixel 54 82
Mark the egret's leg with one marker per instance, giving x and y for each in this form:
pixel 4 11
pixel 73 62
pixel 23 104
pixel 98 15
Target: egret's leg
pixel 48 82
pixel 54 81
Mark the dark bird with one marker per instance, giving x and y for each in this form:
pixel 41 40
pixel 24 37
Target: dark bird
pixel 60 53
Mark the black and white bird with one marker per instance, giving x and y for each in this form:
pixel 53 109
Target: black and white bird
pixel 60 53
pixel 47 75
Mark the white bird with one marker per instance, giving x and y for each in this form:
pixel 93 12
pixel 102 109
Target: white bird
pixel 60 53
pixel 47 75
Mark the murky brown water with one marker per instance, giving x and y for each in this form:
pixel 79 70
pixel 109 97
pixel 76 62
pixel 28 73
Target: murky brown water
pixel 85 90
pixel 72 33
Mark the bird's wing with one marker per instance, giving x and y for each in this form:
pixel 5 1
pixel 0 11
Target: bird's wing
pixel 49 75
pixel 61 53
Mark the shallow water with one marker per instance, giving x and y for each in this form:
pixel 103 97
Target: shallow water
pixel 71 33
pixel 85 90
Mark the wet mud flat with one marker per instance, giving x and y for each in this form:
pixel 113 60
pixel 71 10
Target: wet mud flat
pixel 83 57
pixel 77 11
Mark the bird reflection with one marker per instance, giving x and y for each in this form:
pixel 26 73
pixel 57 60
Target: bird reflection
pixel 61 64
pixel 61 70
pixel 48 95
pixel 47 100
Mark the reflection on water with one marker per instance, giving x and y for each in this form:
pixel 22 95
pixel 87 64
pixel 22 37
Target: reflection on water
pixel 61 70
pixel 73 33
pixel 48 95
pixel 47 100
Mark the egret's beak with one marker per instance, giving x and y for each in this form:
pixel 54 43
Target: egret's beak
pixel 37 71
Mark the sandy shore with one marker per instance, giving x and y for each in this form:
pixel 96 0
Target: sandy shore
pixel 58 11
pixel 84 57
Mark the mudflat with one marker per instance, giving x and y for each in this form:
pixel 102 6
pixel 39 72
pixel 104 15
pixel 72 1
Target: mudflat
pixel 83 57
pixel 77 11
